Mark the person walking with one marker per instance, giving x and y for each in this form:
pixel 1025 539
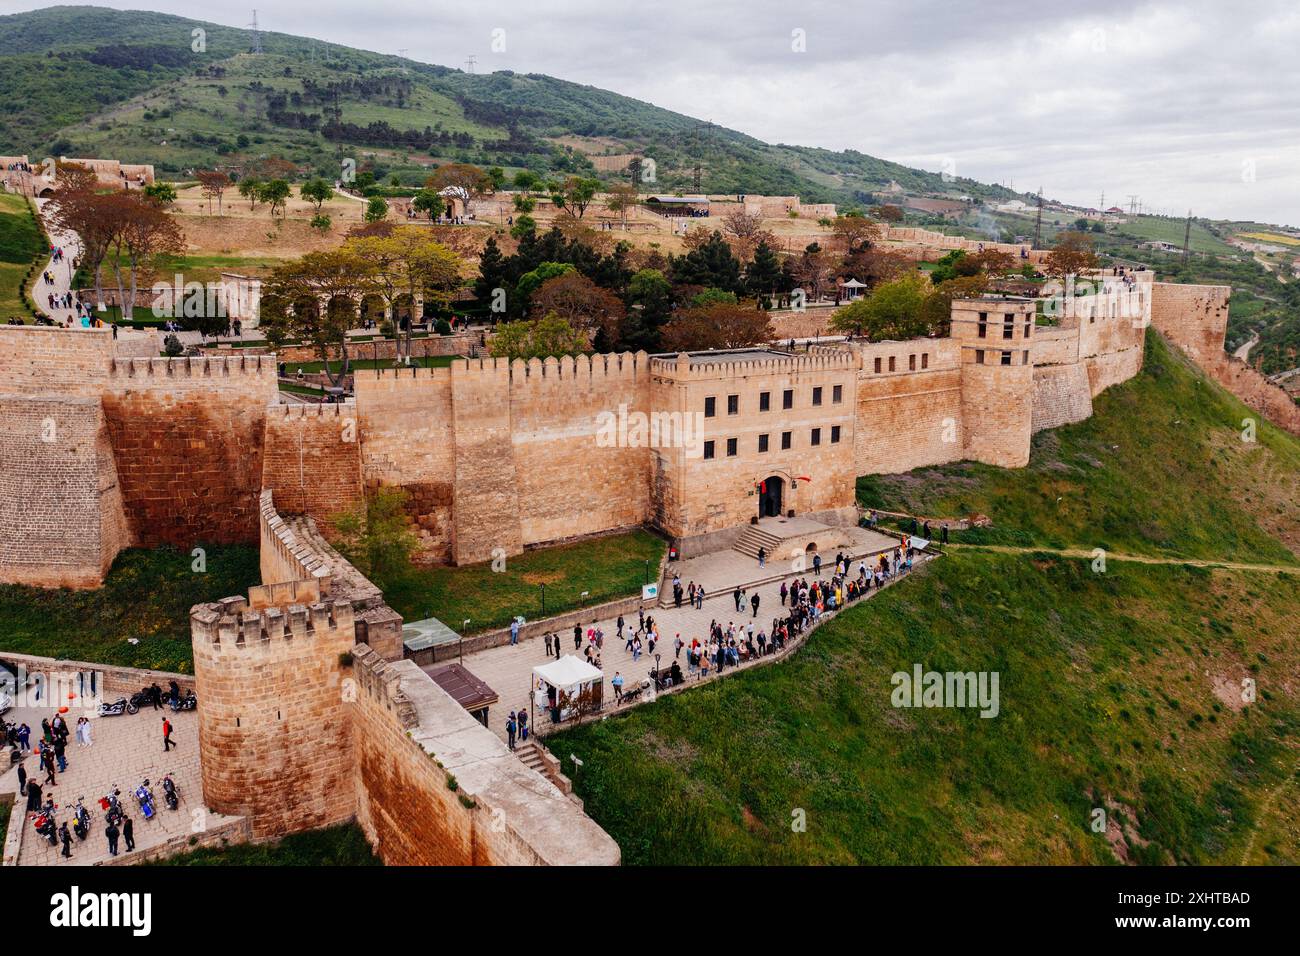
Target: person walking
pixel 111 832
pixel 577 637
pixel 738 595
pixel 47 764
pixel 66 837
pixel 754 602
pixel 762 557
pixel 22 779
pixel 128 833
pixel 167 735
pixel 617 683
pixel 557 647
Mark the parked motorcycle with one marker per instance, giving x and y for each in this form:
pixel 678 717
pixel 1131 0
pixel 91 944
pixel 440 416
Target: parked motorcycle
pixel 45 825
pixel 81 820
pixel 118 707
pixel 142 698
pixel 187 702
pixel 111 806
pixel 171 796
pixel 144 797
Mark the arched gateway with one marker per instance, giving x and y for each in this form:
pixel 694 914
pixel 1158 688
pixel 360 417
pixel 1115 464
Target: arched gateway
pixel 770 496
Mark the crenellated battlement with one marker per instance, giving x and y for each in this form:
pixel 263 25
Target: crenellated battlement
pixel 818 358
pixel 380 681
pixel 207 368
pixel 231 624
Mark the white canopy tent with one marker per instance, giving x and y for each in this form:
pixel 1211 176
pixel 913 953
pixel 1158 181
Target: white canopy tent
pixel 567 687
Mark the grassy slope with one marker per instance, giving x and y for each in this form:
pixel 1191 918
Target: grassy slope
pixel 333 846
pixel 106 114
pixel 1120 686
pixel 1160 468
pixel 20 243
pixel 607 568
pixel 1107 688
pixel 147 596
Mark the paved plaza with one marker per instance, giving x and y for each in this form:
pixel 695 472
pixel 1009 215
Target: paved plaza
pixel 126 750
pixel 507 669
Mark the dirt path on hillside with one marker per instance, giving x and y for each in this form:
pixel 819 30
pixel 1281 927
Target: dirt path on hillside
pixel 1137 558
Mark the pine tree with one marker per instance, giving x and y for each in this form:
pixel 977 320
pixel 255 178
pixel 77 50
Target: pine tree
pixel 764 272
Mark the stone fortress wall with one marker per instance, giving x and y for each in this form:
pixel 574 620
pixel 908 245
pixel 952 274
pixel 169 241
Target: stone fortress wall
pixel 105 450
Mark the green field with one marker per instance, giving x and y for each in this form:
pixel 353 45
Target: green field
pixel 146 596
pixel 1118 690
pixel 1161 229
pixel 1160 468
pixel 333 846
pixel 607 567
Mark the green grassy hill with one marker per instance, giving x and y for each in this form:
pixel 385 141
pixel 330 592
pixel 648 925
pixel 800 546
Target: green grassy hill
pixel 127 84
pixel 1119 691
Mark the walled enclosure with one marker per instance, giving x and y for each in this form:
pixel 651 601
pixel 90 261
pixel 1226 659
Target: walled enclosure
pixel 509 455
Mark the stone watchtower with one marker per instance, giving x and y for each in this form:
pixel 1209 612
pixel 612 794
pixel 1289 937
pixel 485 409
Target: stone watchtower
pixel 274 738
pixel 995 334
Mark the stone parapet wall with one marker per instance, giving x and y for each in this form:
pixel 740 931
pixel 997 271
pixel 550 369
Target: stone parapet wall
pixel 434 787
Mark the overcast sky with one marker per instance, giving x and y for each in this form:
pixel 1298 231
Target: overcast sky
pixel 1185 104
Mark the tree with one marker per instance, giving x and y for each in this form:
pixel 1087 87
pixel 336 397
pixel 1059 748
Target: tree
pixel 144 231
pixel 936 311
pixel 712 264
pixel 651 296
pixel 428 201
pixel 321 223
pixel 214 184
pixel 376 536
pixel 621 198
pixel 164 194
pixel 275 194
pixel 250 189
pixel 579 301
pixel 292 297
pixel 574 195
pixel 720 325
pixel 889 213
pixel 376 209
pixel 548 336
pixel 746 232
pixel 79 207
pixel 532 280
pixel 1071 255
pixel 763 273
pixel 526 181
pixel 855 231
pixel 408 261
pixel 891 311
pixel 317 192
pixel 814 269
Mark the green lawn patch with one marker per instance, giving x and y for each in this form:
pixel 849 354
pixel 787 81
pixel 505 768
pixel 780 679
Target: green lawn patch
pixel 147 595
pixel 1107 692
pixel 1159 468
pixel 609 567
pixel 332 846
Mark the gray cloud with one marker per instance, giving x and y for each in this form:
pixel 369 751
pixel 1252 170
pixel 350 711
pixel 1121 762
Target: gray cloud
pixel 1188 105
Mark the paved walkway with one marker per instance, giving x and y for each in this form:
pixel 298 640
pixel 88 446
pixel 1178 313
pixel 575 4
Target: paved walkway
pixel 62 271
pixel 126 750
pixel 722 571
pixel 508 669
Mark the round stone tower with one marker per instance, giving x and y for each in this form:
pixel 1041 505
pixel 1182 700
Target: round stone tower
pixel 275 741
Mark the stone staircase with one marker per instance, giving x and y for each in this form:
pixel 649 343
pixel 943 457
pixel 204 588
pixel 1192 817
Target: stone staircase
pixel 531 756
pixel 753 538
